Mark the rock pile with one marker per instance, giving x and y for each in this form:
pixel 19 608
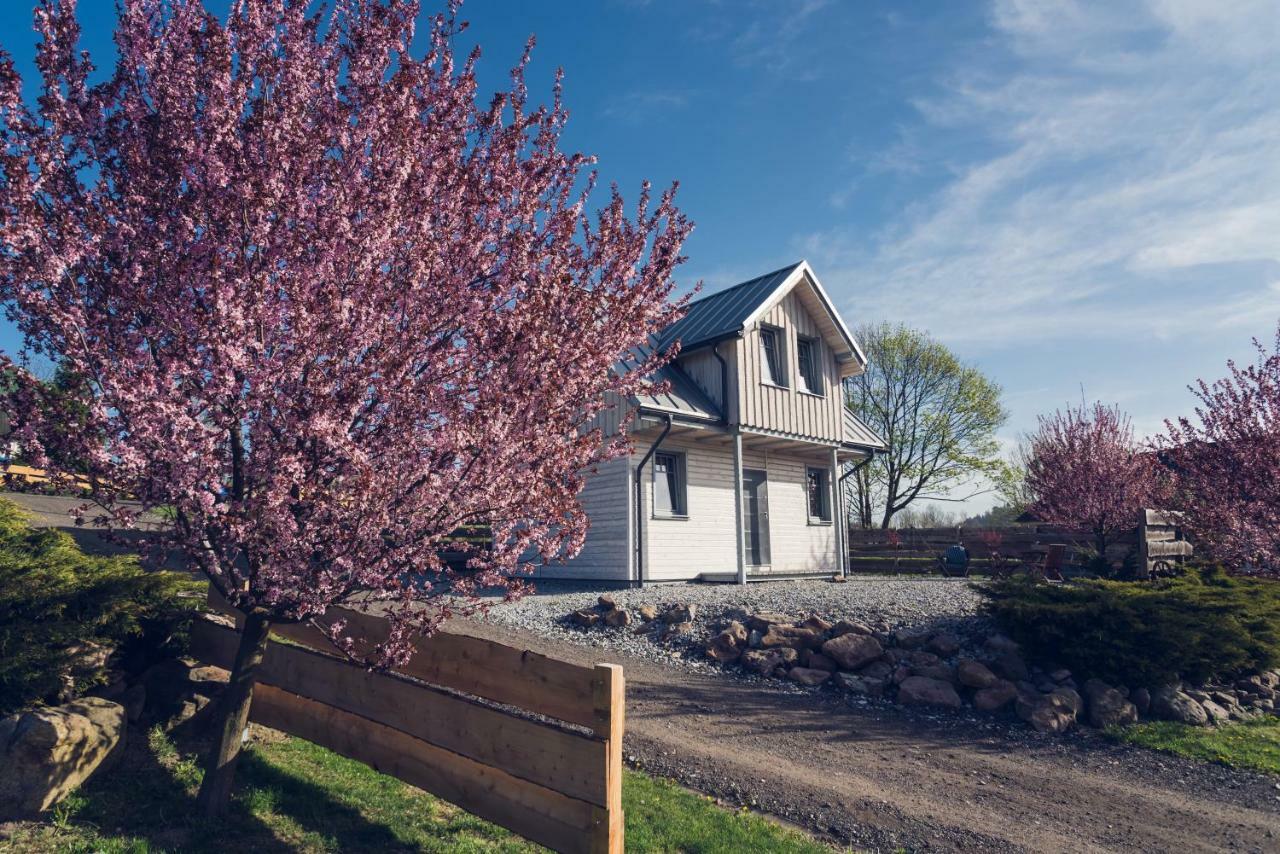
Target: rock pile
pixel 923 666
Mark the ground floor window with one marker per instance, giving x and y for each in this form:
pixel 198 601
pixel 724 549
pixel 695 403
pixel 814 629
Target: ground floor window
pixel 819 484
pixel 669 488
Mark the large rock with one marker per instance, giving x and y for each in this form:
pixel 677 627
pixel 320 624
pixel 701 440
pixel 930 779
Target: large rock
pixel 999 644
pixel 850 627
pixel 648 613
pixel 680 614
pixel 923 691
pixel 997 695
pixel 1171 704
pixel 1071 698
pixel 723 648
pixel 817 661
pixel 767 662
pixel 1010 666
pixel 1141 699
pixel 974 674
pixel 1055 713
pixel 618 618
pixel 1217 714
pixel 585 618
pixel 852 651
pixel 809 675
pixel 762 621
pixel 912 637
pixel 944 644
pixel 817 624
pixel 866 685
pixel 1107 706
pixel 795 637
pixel 876 670
pixel 935 671
pixel 46 753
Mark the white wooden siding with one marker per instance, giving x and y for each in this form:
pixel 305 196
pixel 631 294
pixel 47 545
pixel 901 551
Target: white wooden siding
pixel 703 368
pixel 796 545
pixel 606 553
pixel 678 549
pixel 789 410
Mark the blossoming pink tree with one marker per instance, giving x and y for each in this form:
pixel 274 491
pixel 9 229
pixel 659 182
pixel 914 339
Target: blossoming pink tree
pixel 1086 470
pixel 1227 462
pixel 330 307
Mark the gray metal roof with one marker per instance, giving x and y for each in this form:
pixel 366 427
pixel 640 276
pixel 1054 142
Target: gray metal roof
pixel 683 396
pixel 724 312
pixel 856 432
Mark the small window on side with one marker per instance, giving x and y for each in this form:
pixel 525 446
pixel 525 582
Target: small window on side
pixel 807 365
pixel 771 356
pixel 669 498
pixel 819 489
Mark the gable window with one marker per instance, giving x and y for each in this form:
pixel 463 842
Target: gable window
pixel 669 492
pixel 818 481
pixel 807 365
pixel 771 355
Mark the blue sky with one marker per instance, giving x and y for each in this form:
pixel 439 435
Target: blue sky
pixel 1071 195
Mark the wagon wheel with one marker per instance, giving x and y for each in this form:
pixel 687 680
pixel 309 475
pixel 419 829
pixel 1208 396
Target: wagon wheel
pixel 1161 569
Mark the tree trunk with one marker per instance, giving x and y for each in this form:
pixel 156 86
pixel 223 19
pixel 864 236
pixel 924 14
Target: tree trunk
pixel 233 713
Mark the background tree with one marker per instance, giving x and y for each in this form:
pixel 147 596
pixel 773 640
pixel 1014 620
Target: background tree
pixel 330 307
pixel 1227 464
pixel 938 416
pixel 1086 470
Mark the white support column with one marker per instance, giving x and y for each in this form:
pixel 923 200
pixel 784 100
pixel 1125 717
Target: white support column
pixel 837 514
pixel 739 521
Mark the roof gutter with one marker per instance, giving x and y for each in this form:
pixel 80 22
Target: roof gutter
pixel 639 499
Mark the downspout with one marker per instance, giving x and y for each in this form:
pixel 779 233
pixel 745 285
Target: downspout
pixel 639 500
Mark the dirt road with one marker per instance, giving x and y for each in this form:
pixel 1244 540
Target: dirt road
pixel 890 778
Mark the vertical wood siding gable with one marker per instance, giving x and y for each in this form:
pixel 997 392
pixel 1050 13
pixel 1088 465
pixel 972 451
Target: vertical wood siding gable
pixel 789 410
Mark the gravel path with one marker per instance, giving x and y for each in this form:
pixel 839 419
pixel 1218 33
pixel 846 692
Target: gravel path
pixel 892 601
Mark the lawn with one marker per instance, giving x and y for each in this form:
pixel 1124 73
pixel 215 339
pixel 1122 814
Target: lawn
pixel 295 796
pixel 1254 745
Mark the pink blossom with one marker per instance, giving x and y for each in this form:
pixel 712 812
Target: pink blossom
pixel 331 305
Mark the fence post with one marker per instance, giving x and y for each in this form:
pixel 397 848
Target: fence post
pixel 609 699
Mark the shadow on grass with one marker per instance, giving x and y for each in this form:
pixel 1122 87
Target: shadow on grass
pixel 148 803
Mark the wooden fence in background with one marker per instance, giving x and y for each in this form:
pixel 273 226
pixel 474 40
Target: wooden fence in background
pixel 919 548
pixel 466 719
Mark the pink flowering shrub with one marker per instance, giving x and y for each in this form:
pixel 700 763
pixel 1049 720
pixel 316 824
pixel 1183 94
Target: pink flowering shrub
pixel 1227 465
pixel 1086 470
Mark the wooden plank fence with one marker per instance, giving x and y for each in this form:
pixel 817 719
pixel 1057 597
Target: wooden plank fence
pixel 467 719
pixel 870 550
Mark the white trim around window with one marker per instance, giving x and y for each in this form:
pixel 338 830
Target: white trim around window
pixel 773 356
pixel 670 485
pixel 809 366
pixel 817 481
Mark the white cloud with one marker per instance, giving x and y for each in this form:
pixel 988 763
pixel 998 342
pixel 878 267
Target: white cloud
pixel 1130 152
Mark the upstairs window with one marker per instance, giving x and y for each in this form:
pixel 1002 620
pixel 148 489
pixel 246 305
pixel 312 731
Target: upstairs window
pixel 669 485
pixel 771 355
pixel 819 484
pixel 807 365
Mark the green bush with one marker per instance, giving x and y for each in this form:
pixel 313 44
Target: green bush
pixel 55 600
pixel 1201 625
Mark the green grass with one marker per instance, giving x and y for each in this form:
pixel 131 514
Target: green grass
pixel 293 796
pixel 1253 744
